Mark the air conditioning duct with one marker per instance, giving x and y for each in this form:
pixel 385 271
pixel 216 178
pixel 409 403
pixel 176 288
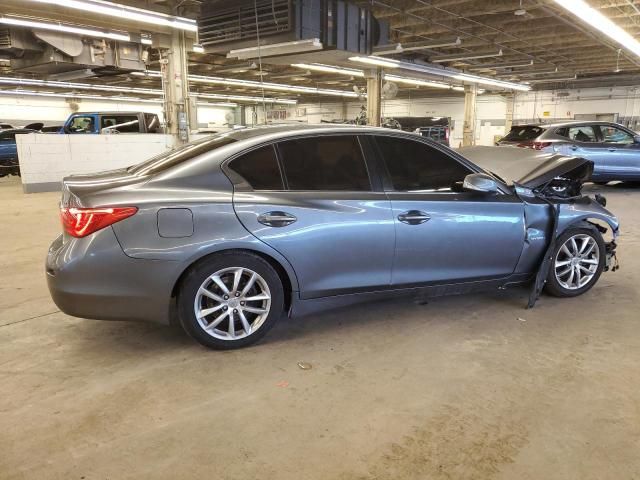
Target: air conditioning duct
pixel 288 27
pixel 56 53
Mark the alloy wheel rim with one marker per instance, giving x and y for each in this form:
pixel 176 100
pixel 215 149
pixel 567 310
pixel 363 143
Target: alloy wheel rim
pixel 233 303
pixel 577 261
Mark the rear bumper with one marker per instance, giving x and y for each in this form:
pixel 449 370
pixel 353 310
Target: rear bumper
pixel 91 277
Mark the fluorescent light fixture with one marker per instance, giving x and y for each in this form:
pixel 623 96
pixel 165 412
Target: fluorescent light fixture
pixel 591 16
pixel 271 86
pixel 556 79
pixel 59 27
pixel 244 98
pixel 197 48
pixel 465 77
pixel 442 72
pixel 417 82
pixel 78 95
pixel 218 104
pixel 359 73
pixel 81 86
pixel 498 66
pixel 144 91
pixel 270 50
pixel 399 48
pixel 126 12
pixel 377 61
pixel 329 69
pixel 456 58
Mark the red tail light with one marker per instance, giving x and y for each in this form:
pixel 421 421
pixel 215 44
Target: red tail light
pixel 541 145
pixel 80 222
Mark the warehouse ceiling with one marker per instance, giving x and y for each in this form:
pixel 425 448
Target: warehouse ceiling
pixel 526 41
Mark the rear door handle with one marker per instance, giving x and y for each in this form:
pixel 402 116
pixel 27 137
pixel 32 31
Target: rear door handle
pixel 276 219
pixel 574 147
pixel 414 217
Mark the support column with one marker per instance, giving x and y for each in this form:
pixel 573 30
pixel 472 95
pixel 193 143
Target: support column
pixel 508 122
pixel 374 96
pixel 469 127
pixel 176 87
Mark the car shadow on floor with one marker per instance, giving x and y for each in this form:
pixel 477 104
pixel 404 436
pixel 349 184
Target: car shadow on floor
pixel 126 338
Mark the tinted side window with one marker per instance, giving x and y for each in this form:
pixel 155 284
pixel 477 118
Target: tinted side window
pixel 259 168
pixel 414 166
pixel 121 123
pixel 615 135
pixel 583 133
pixel 325 163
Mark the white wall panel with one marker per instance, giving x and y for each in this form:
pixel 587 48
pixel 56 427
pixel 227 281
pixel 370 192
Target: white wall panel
pixel 46 158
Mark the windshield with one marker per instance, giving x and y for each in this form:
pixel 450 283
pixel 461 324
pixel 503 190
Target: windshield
pixel 178 155
pixel 527 132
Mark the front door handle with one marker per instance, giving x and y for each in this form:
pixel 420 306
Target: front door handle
pixel 414 217
pixel 574 147
pixel 276 219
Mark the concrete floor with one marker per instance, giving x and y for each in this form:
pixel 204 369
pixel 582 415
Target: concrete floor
pixel 469 387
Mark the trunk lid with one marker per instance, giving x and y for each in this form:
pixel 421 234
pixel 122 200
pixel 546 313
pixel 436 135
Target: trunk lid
pixel 80 190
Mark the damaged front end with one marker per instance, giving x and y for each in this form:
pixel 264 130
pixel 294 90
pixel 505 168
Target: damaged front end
pixel 558 183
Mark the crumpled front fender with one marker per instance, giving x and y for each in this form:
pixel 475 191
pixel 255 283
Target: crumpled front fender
pixel 585 209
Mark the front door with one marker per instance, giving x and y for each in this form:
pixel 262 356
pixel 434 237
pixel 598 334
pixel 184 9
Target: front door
pixel 583 142
pixel 321 213
pixel 442 233
pixel 618 154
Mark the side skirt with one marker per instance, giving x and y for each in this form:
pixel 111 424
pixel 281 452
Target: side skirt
pixel 300 308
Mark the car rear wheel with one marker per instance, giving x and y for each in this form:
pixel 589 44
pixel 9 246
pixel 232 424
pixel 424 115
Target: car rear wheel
pixel 578 261
pixel 230 300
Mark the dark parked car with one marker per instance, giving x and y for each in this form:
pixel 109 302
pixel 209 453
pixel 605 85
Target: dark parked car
pixel 613 149
pixel 238 228
pixel 9 152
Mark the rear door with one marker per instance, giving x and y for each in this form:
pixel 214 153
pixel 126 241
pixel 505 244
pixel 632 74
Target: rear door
pixel 582 141
pixel 444 234
pixel 316 201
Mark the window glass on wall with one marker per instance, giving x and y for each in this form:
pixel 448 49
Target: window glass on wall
pixel 324 163
pixel 417 167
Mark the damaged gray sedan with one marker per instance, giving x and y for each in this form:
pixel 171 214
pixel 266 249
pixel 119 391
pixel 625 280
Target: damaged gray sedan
pixel 227 234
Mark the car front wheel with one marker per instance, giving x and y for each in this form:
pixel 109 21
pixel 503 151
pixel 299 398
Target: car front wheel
pixel 578 262
pixel 230 300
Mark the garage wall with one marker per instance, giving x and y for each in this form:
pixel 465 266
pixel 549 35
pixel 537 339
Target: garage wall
pixel 549 105
pixel 491 112
pixel 46 159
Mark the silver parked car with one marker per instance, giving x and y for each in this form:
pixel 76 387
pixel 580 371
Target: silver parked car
pixel 613 149
pixel 236 229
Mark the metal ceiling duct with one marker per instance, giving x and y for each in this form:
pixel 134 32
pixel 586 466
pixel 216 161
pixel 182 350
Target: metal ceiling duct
pixel 314 24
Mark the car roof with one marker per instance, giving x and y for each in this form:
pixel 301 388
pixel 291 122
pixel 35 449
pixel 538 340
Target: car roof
pixel 567 123
pixel 296 128
pixel 112 112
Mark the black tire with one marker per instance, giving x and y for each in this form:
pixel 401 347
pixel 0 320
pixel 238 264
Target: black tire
pixel 201 272
pixel 553 286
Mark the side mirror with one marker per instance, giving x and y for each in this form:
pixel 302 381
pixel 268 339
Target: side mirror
pixel 636 139
pixel 479 182
pixel 66 129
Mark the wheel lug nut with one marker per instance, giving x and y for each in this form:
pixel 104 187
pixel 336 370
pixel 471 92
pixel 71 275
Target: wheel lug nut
pixel 235 311
pixel 242 303
pixel 237 294
pixel 226 297
pixel 225 307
